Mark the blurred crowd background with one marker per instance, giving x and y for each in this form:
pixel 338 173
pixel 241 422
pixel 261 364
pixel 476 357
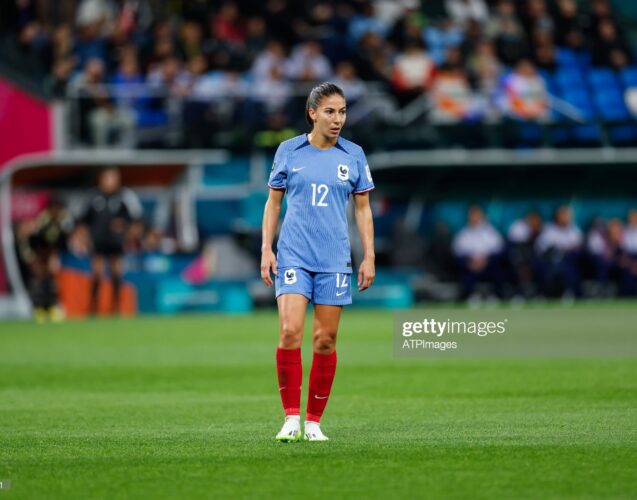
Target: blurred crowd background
pixel 515 80
pixel 175 74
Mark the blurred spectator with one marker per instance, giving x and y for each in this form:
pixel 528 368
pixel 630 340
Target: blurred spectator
pixel 521 238
pixel 544 51
pixel 609 48
pixel 99 118
pixel 272 94
pixel 60 76
pixel 226 25
pixel 536 18
pixel 485 68
pixel 463 11
pixel 63 41
pixel 307 63
pixel 273 55
pixel 190 42
pixel 507 33
pixel 159 45
pixel 525 96
pixel 99 14
pixel 256 37
pixel 90 43
pixel 570 25
pixel 346 78
pixel 47 239
pixel 413 71
pixel 108 214
pixel 442 37
pixel 373 59
pixel 364 21
pixel 452 97
pixel 604 245
pixel 559 247
pixel 478 249
pixel 630 247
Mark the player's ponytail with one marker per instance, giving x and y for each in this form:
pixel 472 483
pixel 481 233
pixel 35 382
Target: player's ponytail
pixel 317 94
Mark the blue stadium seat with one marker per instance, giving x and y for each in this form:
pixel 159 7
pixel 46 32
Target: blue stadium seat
pixel 567 58
pixel 580 99
pixel 623 134
pixel 585 59
pixel 629 77
pixel 569 79
pixel 611 106
pixel 589 133
pixel 601 79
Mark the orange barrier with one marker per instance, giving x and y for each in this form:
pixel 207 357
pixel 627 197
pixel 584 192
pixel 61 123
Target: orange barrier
pixel 75 295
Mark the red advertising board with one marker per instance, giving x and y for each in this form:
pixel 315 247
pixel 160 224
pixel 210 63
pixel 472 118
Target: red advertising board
pixel 26 123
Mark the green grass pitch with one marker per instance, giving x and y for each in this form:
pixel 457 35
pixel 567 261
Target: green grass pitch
pixel 187 407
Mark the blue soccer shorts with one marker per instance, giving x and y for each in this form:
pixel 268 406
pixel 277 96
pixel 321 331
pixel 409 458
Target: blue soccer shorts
pixel 333 289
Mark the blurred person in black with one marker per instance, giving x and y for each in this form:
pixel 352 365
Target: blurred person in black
pixel 521 238
pixel 109 213
pixel 47 238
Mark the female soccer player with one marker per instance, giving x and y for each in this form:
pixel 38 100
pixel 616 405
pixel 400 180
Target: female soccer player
pixel 318 171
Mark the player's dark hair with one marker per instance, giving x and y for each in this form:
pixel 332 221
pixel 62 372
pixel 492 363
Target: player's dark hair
pixel 317 94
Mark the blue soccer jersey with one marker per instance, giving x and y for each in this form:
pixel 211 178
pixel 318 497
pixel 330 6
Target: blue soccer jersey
pixel 318 182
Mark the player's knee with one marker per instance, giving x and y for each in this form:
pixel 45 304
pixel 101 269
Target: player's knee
pixel 324 341
pixel 291 335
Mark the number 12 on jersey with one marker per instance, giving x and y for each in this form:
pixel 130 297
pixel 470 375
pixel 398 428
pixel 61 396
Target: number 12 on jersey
pixel 321 190
pixel 341 280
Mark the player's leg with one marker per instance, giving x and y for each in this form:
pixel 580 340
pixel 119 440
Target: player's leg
pixel 293 290
pixel 331 292
pixel 324 331
pixel 117 273
pixel 289 367
pixel 97 271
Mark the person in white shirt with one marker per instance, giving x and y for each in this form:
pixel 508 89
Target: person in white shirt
pixel 559 250
pixel 478 250
pixel 604 249
pixel 629 246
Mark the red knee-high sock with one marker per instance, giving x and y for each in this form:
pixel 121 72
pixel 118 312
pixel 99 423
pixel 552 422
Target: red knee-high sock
pixel 290 372
pixel 321 378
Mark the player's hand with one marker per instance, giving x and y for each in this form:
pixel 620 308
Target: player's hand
pixel 268 262
pixel 366 274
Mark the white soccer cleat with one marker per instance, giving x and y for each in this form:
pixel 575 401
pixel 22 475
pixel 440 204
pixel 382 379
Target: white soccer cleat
pixel 291 430
pixel 313 432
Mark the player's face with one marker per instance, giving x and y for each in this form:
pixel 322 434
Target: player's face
pixel 330 116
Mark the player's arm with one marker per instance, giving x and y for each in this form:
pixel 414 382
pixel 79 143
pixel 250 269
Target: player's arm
pixel 271 214
pixel 365 224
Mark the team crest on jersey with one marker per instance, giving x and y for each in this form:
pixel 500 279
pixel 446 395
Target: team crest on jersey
pixel 343 172
pixel 289 277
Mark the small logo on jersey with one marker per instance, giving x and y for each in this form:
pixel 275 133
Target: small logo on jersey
pixel 338 294
pixel 296 169
pixel 368 172
pixel 289 277
pixel 343 172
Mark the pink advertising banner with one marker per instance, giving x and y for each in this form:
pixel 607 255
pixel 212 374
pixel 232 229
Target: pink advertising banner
pixel 25 123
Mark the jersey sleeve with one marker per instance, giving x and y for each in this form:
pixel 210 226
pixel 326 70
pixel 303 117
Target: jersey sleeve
pixel 279 175
pixel 365 182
